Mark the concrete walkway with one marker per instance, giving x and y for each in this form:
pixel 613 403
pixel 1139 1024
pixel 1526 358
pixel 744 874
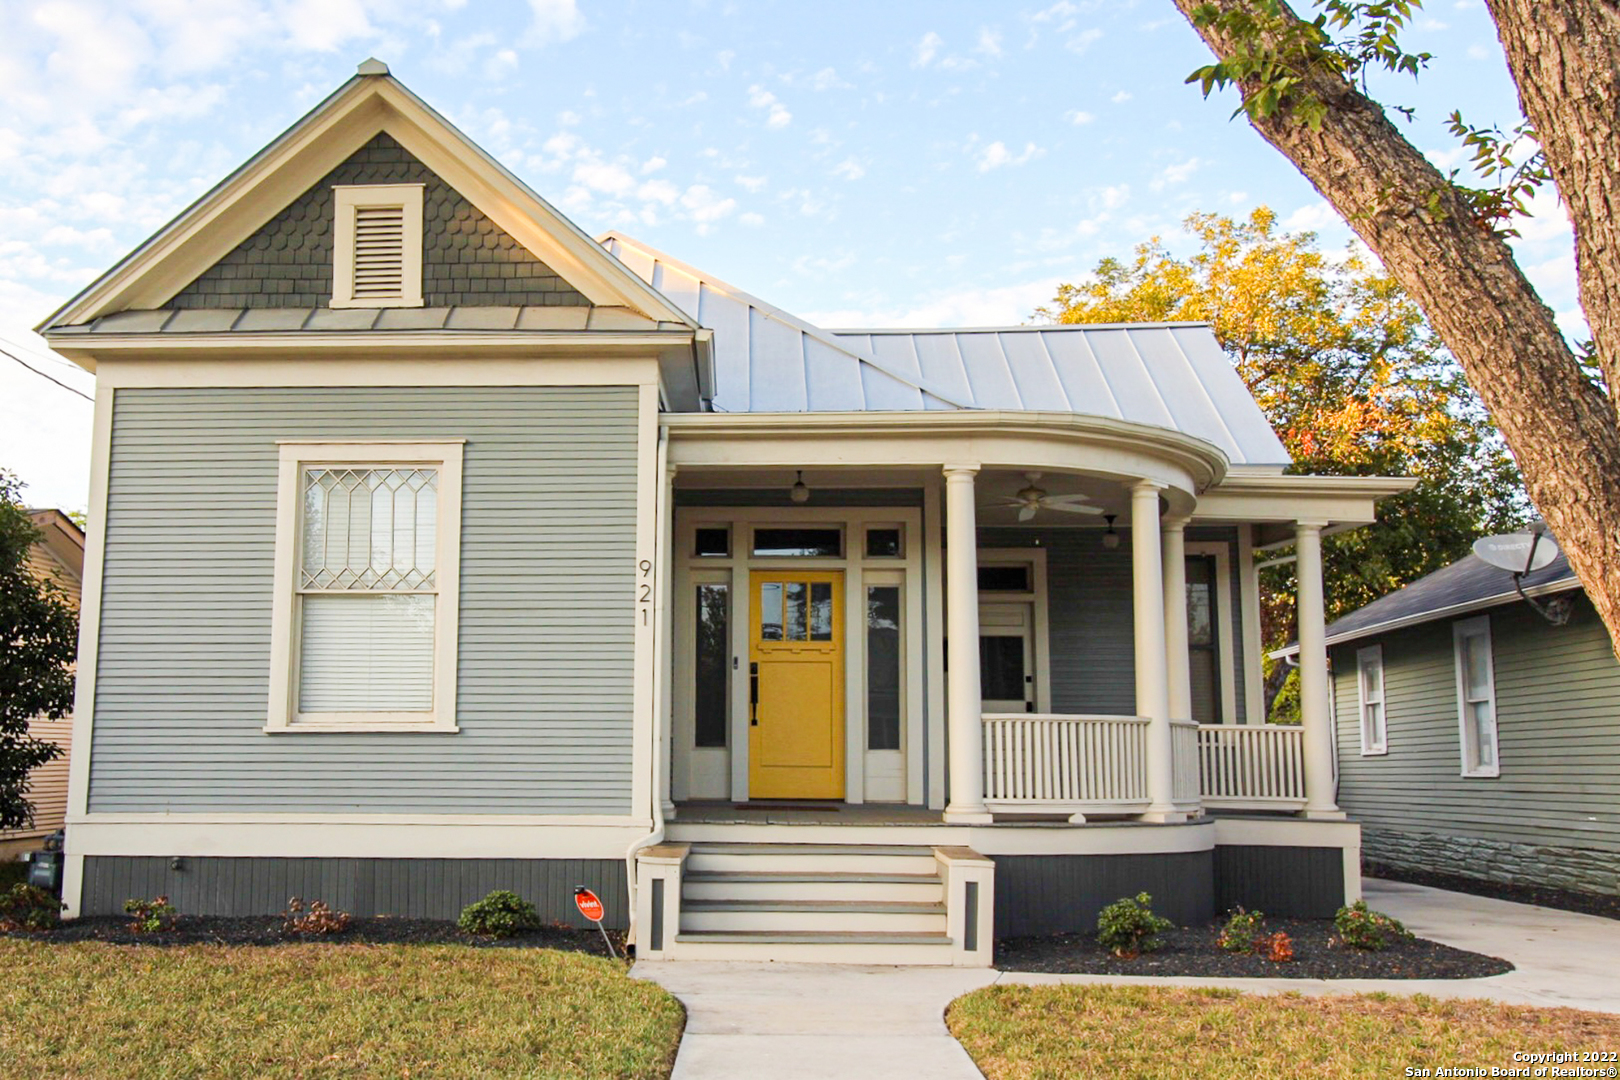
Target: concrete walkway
pixel 809 1021
pixel 816 1021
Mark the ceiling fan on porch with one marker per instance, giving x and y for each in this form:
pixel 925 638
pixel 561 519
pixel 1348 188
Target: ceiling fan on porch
pixel 1033 498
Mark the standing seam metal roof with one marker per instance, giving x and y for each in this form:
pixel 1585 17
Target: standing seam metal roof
pixel 1170 375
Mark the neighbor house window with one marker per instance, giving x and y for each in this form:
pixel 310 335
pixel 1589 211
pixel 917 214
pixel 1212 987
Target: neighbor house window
pixel 1370 678
pixel 377 246
pixel 367 553
pixel 1476 696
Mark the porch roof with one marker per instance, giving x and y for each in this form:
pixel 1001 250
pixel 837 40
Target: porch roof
pixel 1169 375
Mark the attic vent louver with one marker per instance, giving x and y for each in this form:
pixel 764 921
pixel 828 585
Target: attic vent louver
pixel 377 246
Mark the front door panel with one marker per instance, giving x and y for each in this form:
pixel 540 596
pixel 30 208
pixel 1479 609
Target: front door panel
pixel 796 696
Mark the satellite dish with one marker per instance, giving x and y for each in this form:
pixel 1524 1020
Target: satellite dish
pixel 1519 552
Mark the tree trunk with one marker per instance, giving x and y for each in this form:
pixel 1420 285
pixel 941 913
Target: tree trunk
pixel 1561 428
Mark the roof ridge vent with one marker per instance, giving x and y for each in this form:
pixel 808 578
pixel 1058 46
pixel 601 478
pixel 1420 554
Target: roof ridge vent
pixel 371 66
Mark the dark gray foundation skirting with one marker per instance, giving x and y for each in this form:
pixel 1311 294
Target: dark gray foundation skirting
pixel 412 888
pixel 1054 894
pixel 1295 882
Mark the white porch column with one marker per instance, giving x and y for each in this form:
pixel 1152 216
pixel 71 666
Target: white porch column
pixel 964 703
pixel 1313 677
pixel 1152 679
pixel 1175 618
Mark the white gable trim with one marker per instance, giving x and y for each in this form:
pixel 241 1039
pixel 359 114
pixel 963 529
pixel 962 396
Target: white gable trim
pixel 366 105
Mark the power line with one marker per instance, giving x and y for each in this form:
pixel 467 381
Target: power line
pixel 13 343
pixel 43 375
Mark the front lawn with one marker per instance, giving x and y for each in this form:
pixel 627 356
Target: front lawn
pixel 1064 1032
pixel 95 1010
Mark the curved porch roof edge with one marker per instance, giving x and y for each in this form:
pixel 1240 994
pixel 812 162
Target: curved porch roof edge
pixel 1171 376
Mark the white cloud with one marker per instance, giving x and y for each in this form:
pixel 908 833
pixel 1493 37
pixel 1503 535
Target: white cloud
pixel 752 220
pixel 653 164
pixel 1176 174
pixel 996 155
pixel 705 207
pixel 849 169
pixel 659 191
pixel 776 114
pixel 751 183
pixel 926 50
pixel 990 42
pixel 553 21
pixel 1078 117
pixel 1312 217
pixel 966 304
pixel 1062 16
pixel 1112 197
pixel 1479 52
pixel 827 79
pixel 1084 40
pixel 1121 98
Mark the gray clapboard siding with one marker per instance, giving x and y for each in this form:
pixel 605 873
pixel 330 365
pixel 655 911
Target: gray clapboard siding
pixel 407 888
pixel 1558 717
pixel 1089 602
pixel 547 586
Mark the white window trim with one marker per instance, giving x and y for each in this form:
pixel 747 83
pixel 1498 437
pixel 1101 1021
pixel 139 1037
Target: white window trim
pixel 446 456
pixel 1362 655
pixel 346 200
pixel 1479 627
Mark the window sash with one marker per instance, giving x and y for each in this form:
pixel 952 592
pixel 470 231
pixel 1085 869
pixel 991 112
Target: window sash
pixel 1476 698
pixel 373 671
pixel 1373 715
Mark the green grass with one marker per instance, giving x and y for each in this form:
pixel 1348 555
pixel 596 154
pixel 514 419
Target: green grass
pixel 95 1010
pixel 1052 1032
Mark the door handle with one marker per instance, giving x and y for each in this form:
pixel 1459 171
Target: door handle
pixel 753 695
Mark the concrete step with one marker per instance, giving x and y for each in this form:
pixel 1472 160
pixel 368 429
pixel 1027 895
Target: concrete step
pixel 804 916
pixel 811 858
pixel 790 885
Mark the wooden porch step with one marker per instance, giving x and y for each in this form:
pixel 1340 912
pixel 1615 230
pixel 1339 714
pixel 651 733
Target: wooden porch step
pixel 812 937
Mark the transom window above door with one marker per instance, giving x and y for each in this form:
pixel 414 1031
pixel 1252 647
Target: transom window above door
pixel 796 611
pixel 800 543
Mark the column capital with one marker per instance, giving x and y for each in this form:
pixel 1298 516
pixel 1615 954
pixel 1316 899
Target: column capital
pixel 1310 526
pixel 1174 523
pixel 954 469
pixel 1144 485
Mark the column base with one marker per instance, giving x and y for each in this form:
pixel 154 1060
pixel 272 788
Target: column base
pixel 1324 815
pixel 1164 817
pixel 980 816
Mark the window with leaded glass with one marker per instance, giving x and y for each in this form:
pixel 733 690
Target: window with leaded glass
pixel 367 630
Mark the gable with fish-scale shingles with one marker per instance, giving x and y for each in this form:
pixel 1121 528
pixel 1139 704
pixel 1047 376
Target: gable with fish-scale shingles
pixel 467 259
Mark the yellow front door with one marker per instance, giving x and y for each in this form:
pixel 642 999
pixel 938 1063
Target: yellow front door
pixel 796 691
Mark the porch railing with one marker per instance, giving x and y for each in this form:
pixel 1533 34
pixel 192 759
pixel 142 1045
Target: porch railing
pixel 1037 762
pixel 1252 767
pixel 1184 786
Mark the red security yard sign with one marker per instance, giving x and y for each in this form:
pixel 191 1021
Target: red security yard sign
pixel 590 906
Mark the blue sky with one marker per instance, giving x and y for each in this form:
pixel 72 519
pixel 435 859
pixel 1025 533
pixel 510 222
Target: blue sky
pixel 877 163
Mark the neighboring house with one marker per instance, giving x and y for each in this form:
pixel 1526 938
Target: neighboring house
pixel 1476 737
pixel 436 546
pixel 58 555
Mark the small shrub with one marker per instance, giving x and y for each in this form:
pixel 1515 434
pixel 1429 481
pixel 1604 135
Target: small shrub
pixel 1128 927
pixel 1241 931
pixel 501 914
pixel 1278 947
pixel 150 916
pixel 1361 928
pixel 313 918
pixel 29 907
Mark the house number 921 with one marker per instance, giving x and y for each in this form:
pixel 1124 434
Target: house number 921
pixel 644 594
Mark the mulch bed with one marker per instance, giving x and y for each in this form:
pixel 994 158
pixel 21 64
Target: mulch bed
pixel 1193 951
pixel 1607 907
pixel 267 930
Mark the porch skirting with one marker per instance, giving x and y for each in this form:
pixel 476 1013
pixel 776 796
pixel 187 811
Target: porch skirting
pixel 409 888
pixel 1055 894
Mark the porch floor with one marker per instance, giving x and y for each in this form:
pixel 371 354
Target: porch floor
pixel 804 813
